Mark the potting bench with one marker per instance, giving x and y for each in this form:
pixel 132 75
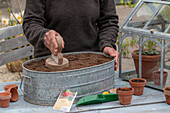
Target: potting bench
pixel 152 101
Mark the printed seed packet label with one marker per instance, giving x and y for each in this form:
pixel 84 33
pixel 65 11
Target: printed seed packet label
pixel 65 101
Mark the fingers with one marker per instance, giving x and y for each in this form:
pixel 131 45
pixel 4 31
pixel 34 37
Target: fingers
pixel 61 39
pixel 47 42
pixel 113 53
pixel 110 51
pixel 50 41
pixel 117 60
pixel 53 42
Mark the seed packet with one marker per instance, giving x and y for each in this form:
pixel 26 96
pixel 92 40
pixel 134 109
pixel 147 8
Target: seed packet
pixel 65 101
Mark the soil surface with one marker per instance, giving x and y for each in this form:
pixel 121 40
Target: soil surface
pixel 138 81
pixel 149 52
pixel 168 89
pixel 124 89
pixel 75 62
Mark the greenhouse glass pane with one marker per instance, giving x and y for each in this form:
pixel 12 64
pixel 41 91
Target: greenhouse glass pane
pixel 143 15
pixel 167 30
pixel 161 21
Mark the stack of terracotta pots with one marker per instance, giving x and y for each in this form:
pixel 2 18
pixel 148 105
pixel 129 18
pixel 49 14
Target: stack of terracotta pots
pixel 10 94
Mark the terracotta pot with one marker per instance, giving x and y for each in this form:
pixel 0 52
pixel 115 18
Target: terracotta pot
pixel 4 99
pixel 138 84
pixel 125 97
pixel 12 88
pixel 157 77
pixel 149 64
pixel 113 91
pixel 6 87
pixel 167 94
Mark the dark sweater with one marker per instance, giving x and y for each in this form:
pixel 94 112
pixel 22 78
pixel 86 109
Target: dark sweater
pixel 85 25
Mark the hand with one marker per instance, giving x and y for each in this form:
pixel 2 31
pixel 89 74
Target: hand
pixel 113 53
pixel 50 41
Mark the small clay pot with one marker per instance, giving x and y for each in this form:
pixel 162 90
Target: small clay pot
pixel 113 91
pixel 157 74
pixel 125 95
pixel 167 94
pixel 14 94
pixel 148 63
pixel 12 88
pixel 4 99
pixel 138 84
pixel 6 87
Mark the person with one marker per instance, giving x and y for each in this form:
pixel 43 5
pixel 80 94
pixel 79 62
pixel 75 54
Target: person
pixel 83 25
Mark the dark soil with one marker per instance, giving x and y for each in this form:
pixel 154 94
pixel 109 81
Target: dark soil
pixel 149 52
pixel 75 62
pixel 168 89
pixel 124 89
pixel 138 81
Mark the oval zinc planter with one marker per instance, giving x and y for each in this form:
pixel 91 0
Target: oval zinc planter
pixel 43 88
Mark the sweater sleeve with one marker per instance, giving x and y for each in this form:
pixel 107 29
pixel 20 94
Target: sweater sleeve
pixel 108 24
pixel 34 22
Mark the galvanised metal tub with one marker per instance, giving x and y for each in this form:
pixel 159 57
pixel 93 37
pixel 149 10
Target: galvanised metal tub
pixel 42 88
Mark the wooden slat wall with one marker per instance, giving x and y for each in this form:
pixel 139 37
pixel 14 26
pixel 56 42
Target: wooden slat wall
pixel 19 53
pixel 16 55
pixel 13 43
pixel 10 31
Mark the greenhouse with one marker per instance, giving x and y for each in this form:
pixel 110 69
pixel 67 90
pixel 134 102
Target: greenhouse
pixel 149 21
